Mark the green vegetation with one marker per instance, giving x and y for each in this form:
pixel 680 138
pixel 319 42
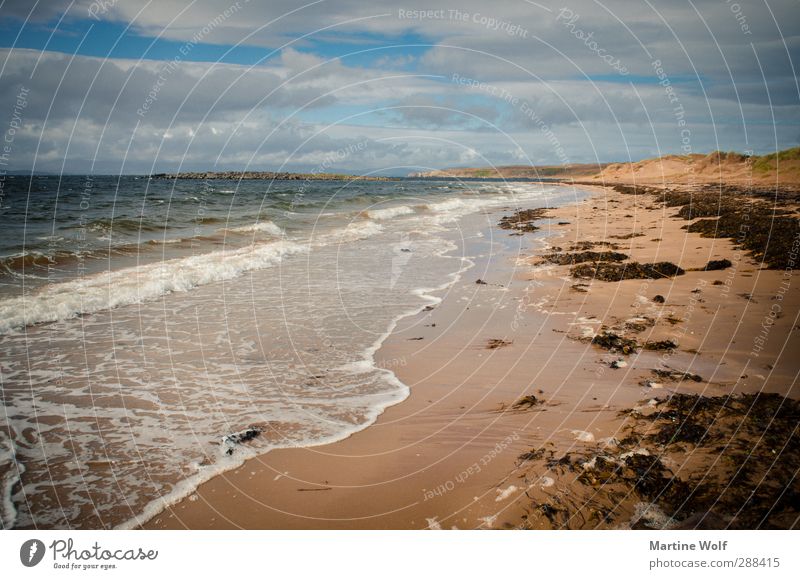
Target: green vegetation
pixel 766 163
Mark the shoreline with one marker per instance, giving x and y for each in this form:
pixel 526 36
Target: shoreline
pixel 449 455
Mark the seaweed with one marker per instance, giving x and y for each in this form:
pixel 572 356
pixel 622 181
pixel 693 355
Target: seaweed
pixel 746 455
pixel 717 264
pixel 660 345
pixel 572 258
pixel 584 245
pixel 532 454
pixel 766 236
pixel 527 402
pixel 619 272
pixel 615 343
pixel 523 220
pixel 675 375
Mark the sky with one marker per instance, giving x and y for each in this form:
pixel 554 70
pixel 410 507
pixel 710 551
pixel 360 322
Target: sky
pixel 388 88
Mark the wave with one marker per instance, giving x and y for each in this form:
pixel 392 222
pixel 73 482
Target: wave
pixel 353 232
pixel 261 227
pixel 121 224
pixel 389 212
pixel 132 285
pixel 165 241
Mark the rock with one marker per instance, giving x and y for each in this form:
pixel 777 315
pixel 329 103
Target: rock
pixel 480 282
pixel 659 299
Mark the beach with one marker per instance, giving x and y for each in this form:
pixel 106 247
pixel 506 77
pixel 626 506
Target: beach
pixel 527 381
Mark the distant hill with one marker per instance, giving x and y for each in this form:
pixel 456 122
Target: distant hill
pixel 518 172
pixel 782 168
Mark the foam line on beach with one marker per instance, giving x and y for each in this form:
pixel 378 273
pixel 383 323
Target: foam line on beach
pixel 133 285
pixel 367 363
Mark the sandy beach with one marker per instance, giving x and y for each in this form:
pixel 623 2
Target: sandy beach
pixel 528 379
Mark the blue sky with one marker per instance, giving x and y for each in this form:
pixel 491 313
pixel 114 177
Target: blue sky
pixel 259 86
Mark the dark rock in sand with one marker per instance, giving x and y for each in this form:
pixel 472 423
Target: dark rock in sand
pixel 480 282
pixel 659 299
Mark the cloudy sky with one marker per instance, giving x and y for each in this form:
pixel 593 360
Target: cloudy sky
pixel 391 87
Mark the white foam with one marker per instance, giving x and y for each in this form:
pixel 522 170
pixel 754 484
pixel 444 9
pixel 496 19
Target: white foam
pixel 653 516
pixel 137 284
pixel 488 521
pixel 503 494
pixel 10 471
pixel 260 227
pixel 164 241
pixel 583 436
pixel 390 212
pixel 353 232
pixel 433 524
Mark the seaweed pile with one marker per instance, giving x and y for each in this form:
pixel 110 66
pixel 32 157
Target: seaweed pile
pixel 768 237
pixel 523 221
pixel 584 256
pixel 751 218
pixel 615 343
pixel 584 245
pixel 687 461
pixel 606 271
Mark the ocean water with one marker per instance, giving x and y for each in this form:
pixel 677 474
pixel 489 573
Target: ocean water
pixel 155 333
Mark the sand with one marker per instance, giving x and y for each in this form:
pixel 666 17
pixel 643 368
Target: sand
pixel 449 455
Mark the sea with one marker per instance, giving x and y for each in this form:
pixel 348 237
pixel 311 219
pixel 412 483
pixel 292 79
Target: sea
pixel 155 333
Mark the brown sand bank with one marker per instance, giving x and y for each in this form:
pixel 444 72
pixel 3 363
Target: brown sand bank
pixel 517 419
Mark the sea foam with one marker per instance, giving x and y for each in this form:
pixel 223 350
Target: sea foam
pixel 132 285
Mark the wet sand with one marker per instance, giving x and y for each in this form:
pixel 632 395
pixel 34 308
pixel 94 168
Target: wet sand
pixel 449 455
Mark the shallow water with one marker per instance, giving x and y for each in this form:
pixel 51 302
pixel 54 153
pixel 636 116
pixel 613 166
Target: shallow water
pixel 127 355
